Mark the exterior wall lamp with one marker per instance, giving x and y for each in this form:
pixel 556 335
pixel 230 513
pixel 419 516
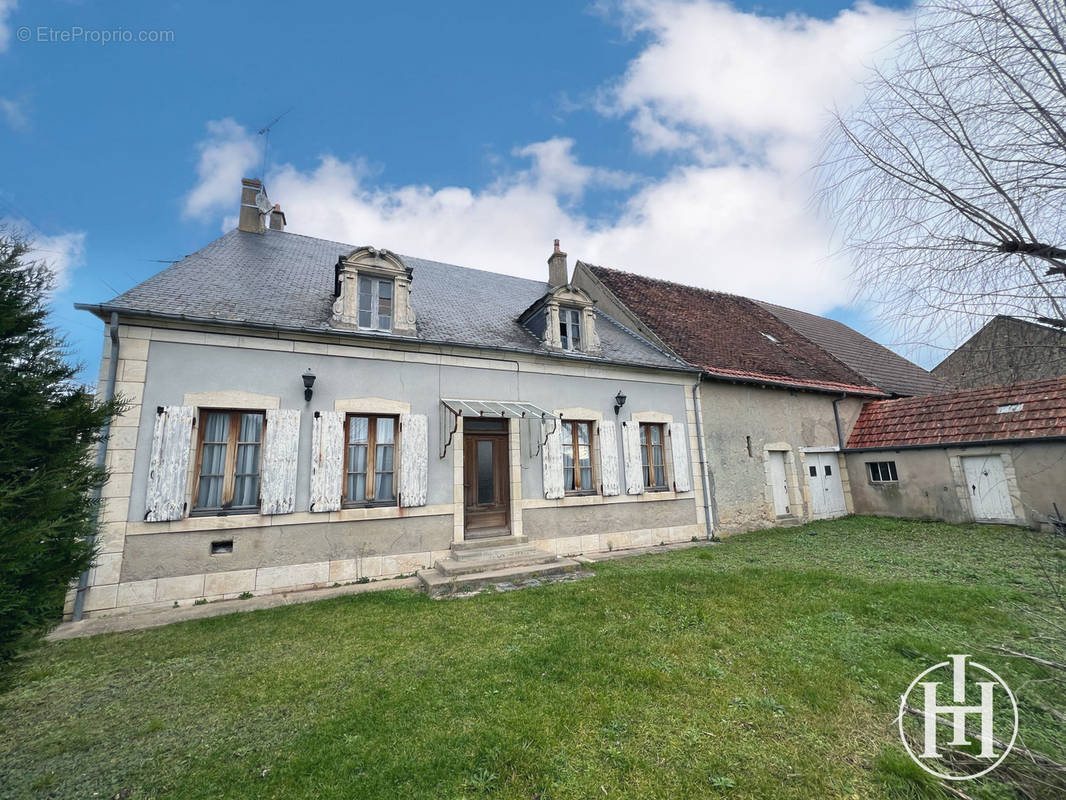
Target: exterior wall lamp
pixel 619 401
pixel 309 381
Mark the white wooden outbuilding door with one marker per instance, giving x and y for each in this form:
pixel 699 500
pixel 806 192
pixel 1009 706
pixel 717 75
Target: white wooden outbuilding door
pixel 986 483
pixel 779 482
pixel 827 491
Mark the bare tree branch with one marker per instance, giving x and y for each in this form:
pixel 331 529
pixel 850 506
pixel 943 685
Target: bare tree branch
pixel 948 182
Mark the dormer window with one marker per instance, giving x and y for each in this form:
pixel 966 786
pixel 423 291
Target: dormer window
pixel 373 293
pixel 570 328
pixel 375 304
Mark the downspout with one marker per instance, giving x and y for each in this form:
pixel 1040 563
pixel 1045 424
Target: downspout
pixel 836 418
pixel 703 458
pixel 101 459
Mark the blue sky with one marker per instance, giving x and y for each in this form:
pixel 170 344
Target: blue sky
pixel 673 139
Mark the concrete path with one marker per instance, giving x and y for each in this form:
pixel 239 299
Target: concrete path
pixel 159 617
pixel 165 616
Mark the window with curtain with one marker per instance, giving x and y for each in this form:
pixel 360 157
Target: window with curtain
pixel 577 457
pixel 370 460
pixel 653 455
pixel 570 328
pixel 375 303
pixel 231 444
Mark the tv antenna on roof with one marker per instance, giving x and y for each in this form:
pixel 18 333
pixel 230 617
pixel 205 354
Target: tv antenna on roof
pixel 265 133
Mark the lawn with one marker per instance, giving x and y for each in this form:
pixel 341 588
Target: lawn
pixel 766 667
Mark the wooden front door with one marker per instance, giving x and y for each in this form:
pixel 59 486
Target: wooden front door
pixel 779 482
pixel 486 481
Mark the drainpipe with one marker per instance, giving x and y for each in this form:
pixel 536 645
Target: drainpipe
pixel 836 418
pixel 703 458
pixel 101 459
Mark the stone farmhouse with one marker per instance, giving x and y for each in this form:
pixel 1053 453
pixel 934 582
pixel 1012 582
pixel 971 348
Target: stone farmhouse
pixel 1005 350
pixel 306 412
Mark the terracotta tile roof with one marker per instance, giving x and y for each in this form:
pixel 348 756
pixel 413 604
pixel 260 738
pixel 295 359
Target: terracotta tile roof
pixel 875 362
pixel 731 336
pixel 969 415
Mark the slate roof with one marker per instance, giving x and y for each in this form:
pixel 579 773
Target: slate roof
pixel 730 336
pixel 969 415
pixel 879 365
pixel 285 280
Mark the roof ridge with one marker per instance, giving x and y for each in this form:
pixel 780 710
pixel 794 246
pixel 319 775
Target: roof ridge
pixel 409 256
pixel 665 282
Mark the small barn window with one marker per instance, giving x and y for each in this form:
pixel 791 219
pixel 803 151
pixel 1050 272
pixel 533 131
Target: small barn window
pixel 882 471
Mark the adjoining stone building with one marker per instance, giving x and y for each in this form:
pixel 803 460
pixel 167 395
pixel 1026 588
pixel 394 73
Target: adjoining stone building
pixel 777 400
pixel 1005 350
pixel 305 412
pixel 994 454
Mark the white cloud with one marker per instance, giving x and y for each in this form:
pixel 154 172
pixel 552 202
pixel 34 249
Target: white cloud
pixel 228 154
pixel 736 99
pixel 63 252
pixel 7 8
pixel 14 114
pixel 714 77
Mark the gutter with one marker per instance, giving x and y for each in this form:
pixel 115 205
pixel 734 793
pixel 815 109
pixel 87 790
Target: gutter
pixel 955 445
pixel 703 457
pixel 101 459
pixel 100 309
pixel 836 419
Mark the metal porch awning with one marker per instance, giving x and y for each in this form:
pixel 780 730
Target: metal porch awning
pixel 452 409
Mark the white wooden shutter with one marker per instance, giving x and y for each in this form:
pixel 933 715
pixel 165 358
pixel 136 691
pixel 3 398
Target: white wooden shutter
pixel 168 470
pixel 631 454
pixel 552 458
pixel 414 460
pixel 679 447
pixel 327 460
pixel 609 458
pixel 281 446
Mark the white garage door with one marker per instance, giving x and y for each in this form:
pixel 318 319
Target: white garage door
pixel 986 483
pixel 823 479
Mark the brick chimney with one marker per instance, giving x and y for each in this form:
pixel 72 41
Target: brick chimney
pixel 277 219
pixel 557 270
pixel 250 219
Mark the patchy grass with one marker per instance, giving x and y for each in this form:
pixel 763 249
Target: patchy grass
pixel 769 666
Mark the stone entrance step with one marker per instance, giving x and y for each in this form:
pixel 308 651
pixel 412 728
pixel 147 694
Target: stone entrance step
pixel 438 584
pixel 486 542
pixel 466 562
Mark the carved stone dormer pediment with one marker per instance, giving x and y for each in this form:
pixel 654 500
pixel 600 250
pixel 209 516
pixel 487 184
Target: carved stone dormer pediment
pixel 378 266
pixel 548 316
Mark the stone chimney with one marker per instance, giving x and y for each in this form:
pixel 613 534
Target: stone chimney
pixel 277 219
pixel 250 219
pixel 557 271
